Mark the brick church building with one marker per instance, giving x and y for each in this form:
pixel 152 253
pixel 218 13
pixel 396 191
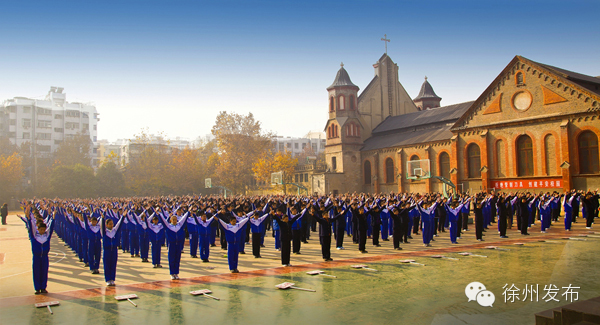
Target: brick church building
pixel 535 127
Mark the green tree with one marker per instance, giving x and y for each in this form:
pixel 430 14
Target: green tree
pixel 73 181
pixel 109 180
pixel 184 172
pixel 74 150
pixel 240 142
pixel 147 164
pixel 11 173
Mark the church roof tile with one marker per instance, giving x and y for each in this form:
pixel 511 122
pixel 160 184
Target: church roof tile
pixel 342 79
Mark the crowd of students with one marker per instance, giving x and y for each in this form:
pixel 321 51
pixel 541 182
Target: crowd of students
pixel 98 228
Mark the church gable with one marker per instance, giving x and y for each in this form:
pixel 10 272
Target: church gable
pixel 527 90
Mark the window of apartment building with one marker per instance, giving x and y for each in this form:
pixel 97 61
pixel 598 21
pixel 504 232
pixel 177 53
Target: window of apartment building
pixel 85 126
pixel 295 146
pixel 58 116
pixel 27 110
pixel 58 141
pixel 59 130
pixel 296 178
pixel 12 122
pixel 44 148
pixel 95 150
pixel 71 125
pixel 12 134
pixel 43 111
pixel 95 139
pixel 26 135
pixel 95 127
pixel 43 136
pixel 289 145
pixel 281 147
pixel 86 115
pixel 26 123
pixel 44 124
pixel 72 113
pixel 303 145
pixel 306 177
pixel 11 109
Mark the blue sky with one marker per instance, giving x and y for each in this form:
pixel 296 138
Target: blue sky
pixel 172 66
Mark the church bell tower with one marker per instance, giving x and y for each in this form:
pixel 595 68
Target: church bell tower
pixel 344 129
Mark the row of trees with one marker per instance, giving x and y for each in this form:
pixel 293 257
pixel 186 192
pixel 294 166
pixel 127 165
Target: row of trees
pixel 240 155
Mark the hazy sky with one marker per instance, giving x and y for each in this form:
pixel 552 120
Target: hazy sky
pixel 172 66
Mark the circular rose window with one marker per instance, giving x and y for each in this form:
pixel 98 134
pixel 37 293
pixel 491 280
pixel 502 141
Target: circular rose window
pixel 522 100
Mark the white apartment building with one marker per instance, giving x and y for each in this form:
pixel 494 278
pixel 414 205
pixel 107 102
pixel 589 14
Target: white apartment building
pixel 47 123
pixel 313 139
pixel 124 150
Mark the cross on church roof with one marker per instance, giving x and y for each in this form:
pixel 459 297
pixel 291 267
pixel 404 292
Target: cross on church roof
pixel 342 64
pixel 386 40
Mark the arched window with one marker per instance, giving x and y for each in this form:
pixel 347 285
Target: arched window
pixel 444 165
pixel 331 104
pixel 500 159
pixel 335 130
pixel 367 172
pixel 352 102
pixel 389 170
pixel 334 163
pixel 415 165
pixel 550 152
pixel 341 103
pixel 524 156
pixel 473 161
pixel 588 153
pixel 519 78
pixel 352 130
pixel 329 132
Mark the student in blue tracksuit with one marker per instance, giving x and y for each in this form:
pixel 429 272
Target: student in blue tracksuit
pixel 452 215
pixel 233 235
pixel 256 223
pixel 322 217
pixel 205 229
pixel 132 230
pixel 385 223
pixel 239 216
pixel 276 233
pixel 427 213
pixel 375 214
pixel 339 224
pixel 175 234
pixel 567 204
pixel 83 238
pixel 192 228
pixel 110 242
pixel 125 236
pixel 143 235
pixel 296 231
pixel 156 235
pixel 285 221
pixel 545 213
pixel 39 235
pixel 94 242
